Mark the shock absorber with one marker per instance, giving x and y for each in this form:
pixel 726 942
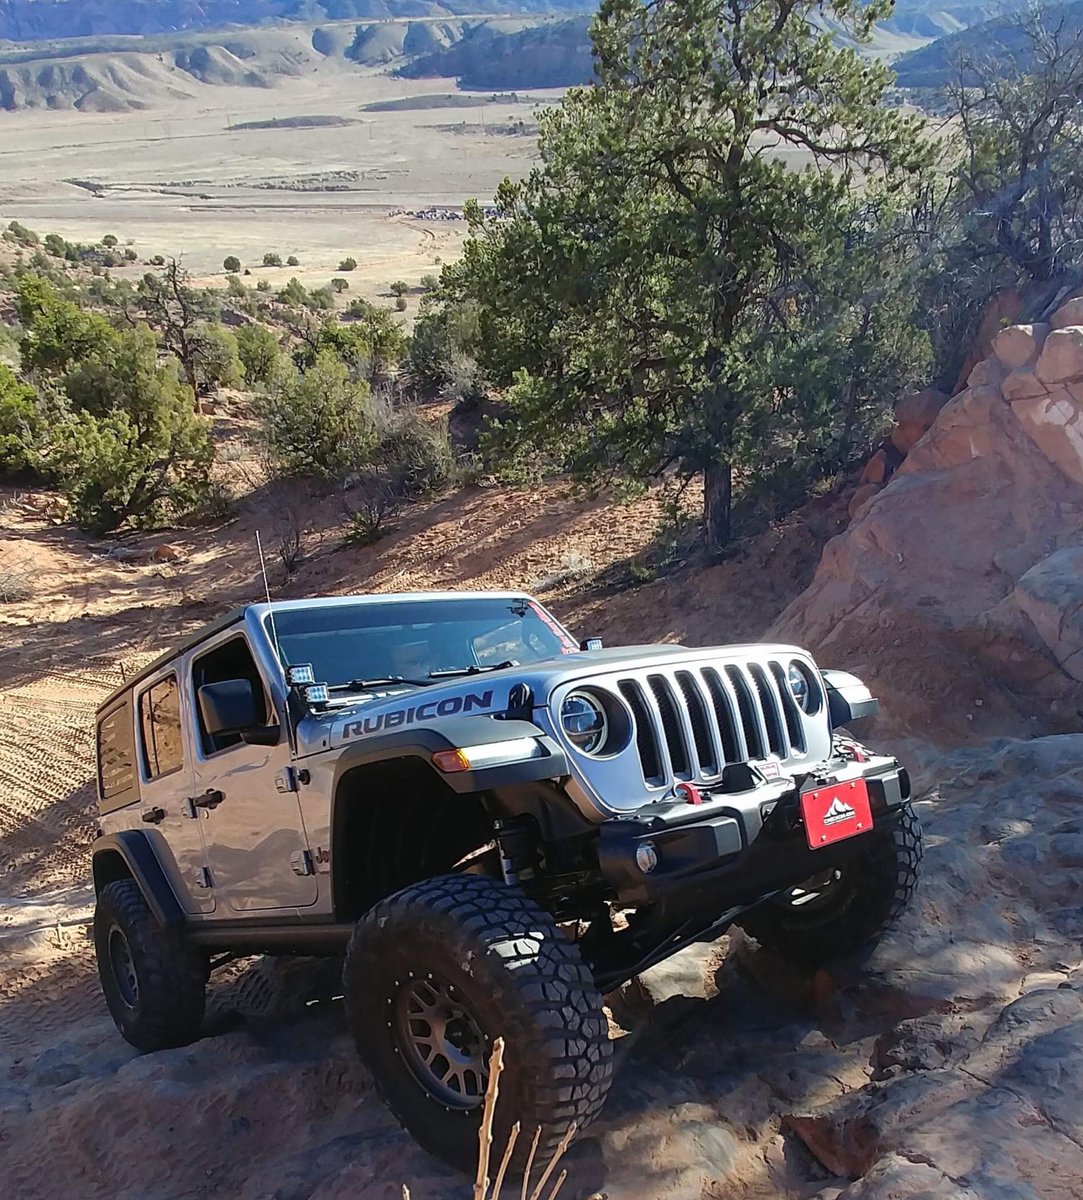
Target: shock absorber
pixel 518 856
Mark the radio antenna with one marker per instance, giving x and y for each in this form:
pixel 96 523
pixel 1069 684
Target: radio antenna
pixel 270 606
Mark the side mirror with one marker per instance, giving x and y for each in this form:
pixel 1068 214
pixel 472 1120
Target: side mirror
pixel 591 644
pixel 229 706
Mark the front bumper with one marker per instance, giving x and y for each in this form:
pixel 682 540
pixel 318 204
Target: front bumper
pixel 738 846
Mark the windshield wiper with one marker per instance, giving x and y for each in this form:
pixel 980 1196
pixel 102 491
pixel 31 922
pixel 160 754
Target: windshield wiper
pixel 452 672
pixel 361 685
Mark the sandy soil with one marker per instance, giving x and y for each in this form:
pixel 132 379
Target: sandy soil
pixel 177 182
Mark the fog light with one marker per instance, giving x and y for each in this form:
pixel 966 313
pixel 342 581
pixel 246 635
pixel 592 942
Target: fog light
pixel 646 857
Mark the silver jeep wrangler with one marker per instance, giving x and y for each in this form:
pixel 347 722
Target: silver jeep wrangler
pixel 494 823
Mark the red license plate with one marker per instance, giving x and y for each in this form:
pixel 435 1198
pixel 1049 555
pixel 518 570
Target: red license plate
pixel 835 813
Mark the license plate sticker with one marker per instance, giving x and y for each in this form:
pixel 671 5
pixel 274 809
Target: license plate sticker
pixel 837 812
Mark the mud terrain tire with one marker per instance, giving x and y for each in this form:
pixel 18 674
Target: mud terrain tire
pixel 857 909
pixel 461 960
pixel 154 980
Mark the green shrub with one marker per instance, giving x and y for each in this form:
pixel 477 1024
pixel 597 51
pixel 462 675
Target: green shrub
pixel 321 299
pixel 58 333
pixel 370 345
pixel 259 352
pixel 235 287
pixel 348 264
pixel 20 423
pixel 416 454
pixel 318 422
pixel 20 235
pixel 158 260
pixel 430 281
pixel 294 294
pixel 400 303
pixel 270 259
pixel 216 357
pixel 293 261
pixel 131 448
pixel 110 241
pixel 400 287
pixel 264 285
pixel 231 264
pixel 130 255
pixel 340 285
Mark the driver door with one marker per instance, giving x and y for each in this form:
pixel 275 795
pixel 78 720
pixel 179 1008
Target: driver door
pixel 255 837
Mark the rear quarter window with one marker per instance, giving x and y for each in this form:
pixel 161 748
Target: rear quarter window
pixel 117 778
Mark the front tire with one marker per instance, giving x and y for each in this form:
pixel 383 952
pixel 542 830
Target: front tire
pixel 437 972
pixel 153 979
pixel 843 910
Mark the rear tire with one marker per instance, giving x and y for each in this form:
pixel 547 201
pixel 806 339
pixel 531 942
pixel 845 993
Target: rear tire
pixel 855 908
pixel 153 979
pixel 437 972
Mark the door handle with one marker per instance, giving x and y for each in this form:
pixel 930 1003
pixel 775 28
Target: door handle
pixel 209 799
pixel 154 816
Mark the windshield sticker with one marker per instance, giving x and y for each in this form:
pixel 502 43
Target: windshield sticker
pixel 451 706
pixel 567 646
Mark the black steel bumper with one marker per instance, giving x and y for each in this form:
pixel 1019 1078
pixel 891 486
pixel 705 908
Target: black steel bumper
pixel 737 847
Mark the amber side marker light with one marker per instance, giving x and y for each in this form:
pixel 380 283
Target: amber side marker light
pixel 493 754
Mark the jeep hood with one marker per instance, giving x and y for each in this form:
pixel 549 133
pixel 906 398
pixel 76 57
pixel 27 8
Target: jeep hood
pixel 400 706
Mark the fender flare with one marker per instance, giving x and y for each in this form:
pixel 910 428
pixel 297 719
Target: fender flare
pixel 132 847
pixel 461 733
pixel 848 699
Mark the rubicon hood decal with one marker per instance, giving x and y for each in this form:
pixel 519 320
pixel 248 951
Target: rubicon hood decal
pixel 449 706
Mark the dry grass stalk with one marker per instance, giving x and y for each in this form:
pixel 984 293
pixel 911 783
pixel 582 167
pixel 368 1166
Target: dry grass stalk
pixel 485 1134
pixel 558 1185
pixel 513 1137
pixel 485 1146
pixel 565 1142
pixel 530 1163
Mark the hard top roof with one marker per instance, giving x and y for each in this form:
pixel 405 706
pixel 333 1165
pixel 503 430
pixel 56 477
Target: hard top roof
pixel 261 610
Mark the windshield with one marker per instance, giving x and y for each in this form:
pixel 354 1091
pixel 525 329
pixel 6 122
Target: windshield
pixel 412 639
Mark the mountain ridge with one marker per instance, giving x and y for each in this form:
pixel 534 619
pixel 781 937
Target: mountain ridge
pixel 46 20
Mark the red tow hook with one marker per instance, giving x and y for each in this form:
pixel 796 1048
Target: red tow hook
pixel 690 792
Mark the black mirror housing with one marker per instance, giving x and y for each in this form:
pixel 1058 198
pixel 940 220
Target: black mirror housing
pixel 229 706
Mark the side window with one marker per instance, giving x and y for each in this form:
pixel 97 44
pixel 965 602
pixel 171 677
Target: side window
pixel 117 783
pixel 160 727
pixel 231 660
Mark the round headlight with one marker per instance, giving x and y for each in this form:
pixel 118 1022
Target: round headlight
pixel 800 688
pixel 584 721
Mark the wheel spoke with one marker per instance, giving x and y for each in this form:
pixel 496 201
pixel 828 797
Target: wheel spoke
pixel 440 1040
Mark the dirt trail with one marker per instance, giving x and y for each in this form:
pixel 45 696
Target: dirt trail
pixel 722 1046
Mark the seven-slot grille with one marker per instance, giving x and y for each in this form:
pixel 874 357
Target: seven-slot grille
pixel 691 722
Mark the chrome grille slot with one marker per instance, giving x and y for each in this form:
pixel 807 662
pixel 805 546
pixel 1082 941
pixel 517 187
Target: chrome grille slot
pixel 725 711
pixel 771 707
pixel 789 704
pixel 671 726
pixel 646 743
pixel 751 719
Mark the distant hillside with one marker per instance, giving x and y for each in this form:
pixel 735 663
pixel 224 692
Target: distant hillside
pixel 556 54
pixel 34 20
pixel 933 66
